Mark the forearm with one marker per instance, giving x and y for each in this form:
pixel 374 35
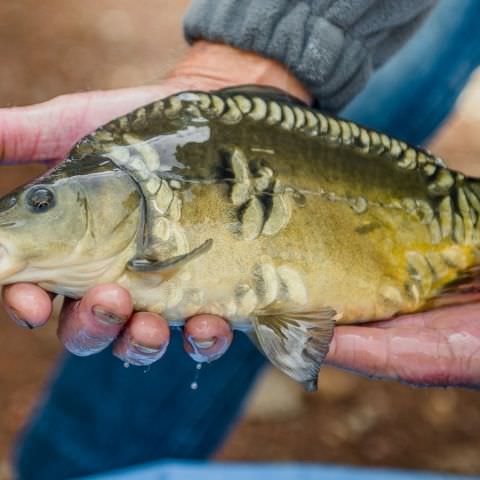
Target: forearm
pixel 330 46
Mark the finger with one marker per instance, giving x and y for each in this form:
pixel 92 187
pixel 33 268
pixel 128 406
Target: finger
pixel 207 337
pixel 27 304
pixel 91 324
pixel 440 348
pixel 144 340
pixel 47 131
pixel 450 317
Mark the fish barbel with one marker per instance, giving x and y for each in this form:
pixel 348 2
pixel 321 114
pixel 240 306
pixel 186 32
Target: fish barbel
pixel 248 204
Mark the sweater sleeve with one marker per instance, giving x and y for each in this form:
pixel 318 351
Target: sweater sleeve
pixel 332 46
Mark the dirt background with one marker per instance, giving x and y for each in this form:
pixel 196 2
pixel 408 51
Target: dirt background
pixel 56 46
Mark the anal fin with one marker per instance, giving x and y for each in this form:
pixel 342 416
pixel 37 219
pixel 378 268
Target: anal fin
pixel 464 289
pixel 296 343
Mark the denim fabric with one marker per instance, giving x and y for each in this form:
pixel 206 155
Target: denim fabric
pixel 100 415
pixel 261 471
pixel 97 415
pixel 413 93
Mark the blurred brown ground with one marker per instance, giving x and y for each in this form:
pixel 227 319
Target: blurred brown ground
pixel 58 46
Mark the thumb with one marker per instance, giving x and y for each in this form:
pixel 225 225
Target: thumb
pixel 47 131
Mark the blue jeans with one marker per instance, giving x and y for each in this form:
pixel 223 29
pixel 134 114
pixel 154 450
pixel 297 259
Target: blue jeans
pixel 97 415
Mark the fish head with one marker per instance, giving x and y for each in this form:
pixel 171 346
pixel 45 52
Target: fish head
pixel 67 227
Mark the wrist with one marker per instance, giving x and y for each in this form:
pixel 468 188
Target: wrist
pixel 210 66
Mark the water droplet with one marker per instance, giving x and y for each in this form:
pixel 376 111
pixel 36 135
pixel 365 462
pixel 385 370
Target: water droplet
pixel 147 369
pixel 126 364
pixel 194 384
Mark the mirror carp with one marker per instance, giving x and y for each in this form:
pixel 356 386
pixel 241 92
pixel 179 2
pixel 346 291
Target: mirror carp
pixel 247 204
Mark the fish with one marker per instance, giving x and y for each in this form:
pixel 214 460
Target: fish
pixel 248 204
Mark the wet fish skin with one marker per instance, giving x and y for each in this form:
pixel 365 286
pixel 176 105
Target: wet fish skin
pixel 247 204
pixel 63 248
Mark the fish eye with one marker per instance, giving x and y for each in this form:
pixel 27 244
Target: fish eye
pixel 40 199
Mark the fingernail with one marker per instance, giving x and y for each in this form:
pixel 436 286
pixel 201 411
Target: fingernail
pixel 18 320
pixel 199 349
pixel 143 349
pixel 138 354
pixel 204 344
pixel 108 318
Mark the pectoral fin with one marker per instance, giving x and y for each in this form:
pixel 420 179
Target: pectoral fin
pixel 296 343
pixel 147 264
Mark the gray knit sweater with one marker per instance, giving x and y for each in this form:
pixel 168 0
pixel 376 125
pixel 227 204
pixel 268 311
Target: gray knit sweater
pixel 332 46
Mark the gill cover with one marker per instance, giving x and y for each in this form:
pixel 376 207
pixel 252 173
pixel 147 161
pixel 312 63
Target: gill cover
pixel 163 247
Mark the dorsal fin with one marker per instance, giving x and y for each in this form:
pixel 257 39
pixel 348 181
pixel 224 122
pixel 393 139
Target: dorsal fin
pixel 266 92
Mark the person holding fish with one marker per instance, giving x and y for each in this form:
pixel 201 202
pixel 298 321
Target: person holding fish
pixel 343 43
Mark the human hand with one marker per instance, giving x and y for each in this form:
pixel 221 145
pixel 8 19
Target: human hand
pixel 436 348
pixel 47 131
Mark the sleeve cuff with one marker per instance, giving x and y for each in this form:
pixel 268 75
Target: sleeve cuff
pixel 332 47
